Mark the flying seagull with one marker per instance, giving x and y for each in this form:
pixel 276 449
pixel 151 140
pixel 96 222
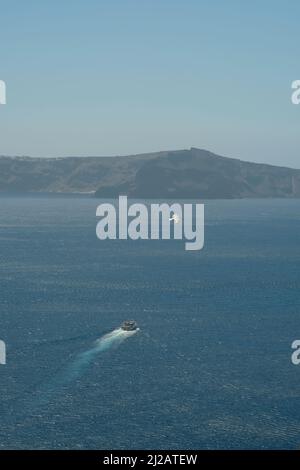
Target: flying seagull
pixel 176 218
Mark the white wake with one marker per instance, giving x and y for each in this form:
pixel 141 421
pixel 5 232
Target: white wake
pixel 81 362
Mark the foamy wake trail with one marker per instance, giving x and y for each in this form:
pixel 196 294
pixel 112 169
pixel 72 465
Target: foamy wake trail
pixel 81 362
pixel 110 341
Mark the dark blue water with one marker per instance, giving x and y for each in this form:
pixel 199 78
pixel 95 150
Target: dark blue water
pixel 211 365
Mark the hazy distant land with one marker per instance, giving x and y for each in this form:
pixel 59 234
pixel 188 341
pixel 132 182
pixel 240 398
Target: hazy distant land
pixel 193 173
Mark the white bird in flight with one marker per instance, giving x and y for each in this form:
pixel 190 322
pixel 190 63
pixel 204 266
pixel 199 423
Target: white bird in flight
pixel 176 218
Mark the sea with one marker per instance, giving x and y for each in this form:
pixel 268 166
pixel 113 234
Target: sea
pixel 210 367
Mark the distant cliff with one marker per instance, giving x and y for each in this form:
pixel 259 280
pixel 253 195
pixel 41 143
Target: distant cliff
pixel 190 173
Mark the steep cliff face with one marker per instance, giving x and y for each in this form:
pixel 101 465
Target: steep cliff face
pixel 190 173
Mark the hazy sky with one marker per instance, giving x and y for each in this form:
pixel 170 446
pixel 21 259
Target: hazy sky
pixel 107 77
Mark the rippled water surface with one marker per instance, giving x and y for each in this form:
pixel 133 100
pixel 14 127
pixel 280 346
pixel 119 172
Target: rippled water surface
pixel 211 365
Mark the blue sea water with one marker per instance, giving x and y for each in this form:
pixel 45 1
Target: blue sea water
pixel 211 367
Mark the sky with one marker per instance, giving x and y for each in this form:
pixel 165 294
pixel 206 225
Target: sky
pixel 118 77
